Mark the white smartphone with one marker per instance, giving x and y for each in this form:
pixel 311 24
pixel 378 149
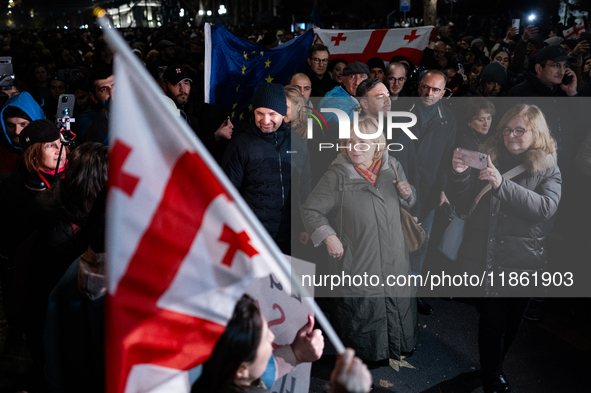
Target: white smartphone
pixel 515 23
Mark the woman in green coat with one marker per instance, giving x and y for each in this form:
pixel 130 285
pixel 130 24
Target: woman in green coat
pixel 355 211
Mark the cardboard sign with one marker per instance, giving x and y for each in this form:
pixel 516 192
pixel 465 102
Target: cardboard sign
pixel 286 313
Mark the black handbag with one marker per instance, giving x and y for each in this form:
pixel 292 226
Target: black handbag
pixel 454 233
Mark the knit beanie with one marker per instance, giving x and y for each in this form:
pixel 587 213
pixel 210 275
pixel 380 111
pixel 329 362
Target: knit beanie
pixel 271 96
pixel 494 72
pixel 477 40
pixel 376 62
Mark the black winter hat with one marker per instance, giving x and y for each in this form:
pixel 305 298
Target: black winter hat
pixel 271 96
pixel 494 72
pixel 38 131
pixel 376 62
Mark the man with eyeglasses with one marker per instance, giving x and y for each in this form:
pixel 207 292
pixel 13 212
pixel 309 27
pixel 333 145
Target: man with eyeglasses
pixel 374 98
pixel 316 71
pixel 396 78
pixel 436 133
pixel 547 69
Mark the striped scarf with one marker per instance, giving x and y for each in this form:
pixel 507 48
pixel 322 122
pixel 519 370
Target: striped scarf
pixel 370 174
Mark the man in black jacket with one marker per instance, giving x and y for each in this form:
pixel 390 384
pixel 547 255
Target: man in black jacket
pixel 211 123
pixel 549 68
pixel 317 70
pixel 264 160
pixel 436 132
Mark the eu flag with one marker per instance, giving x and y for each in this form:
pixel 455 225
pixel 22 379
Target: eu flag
pixel 235 67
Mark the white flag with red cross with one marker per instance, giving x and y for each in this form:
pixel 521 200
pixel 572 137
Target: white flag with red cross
pixel 574 31
pixel 180 252
pixel 362 45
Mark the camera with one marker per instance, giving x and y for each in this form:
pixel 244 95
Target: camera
pixel 67 137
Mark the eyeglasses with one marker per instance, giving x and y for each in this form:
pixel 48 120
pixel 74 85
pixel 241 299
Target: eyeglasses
pixel 402 79
pixel 518 132
pixel 559 65
pixel 436 90
pixel 317 60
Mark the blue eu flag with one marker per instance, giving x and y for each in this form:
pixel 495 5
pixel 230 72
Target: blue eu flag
pixel 237 67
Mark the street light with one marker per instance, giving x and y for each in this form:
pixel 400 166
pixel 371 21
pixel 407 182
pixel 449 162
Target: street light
pixel 222 10
pixel 201 12
pixel 208 12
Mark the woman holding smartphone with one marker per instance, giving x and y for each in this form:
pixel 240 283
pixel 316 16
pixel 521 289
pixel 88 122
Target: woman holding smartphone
pixel 505 231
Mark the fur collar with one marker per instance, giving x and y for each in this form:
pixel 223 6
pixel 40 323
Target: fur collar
pixel 534 160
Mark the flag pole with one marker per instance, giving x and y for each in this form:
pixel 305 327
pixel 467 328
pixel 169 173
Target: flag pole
pixel 119 46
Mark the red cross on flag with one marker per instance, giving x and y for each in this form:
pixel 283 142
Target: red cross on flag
pixel 180 250
pixel 362 45
pixel 573 31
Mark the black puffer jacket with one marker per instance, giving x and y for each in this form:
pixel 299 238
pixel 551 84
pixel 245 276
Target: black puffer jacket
pixel 260 167
pixel 505 232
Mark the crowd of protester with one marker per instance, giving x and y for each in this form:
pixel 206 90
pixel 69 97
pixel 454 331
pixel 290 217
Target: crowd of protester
pixel 341 209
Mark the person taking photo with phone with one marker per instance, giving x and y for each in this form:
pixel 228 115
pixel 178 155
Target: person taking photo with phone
pixel 506 229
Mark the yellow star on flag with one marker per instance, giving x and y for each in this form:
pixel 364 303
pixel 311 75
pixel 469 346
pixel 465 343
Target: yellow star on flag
pixel 245 56
pixel 234 106
pixel 253 52
pixel 262 53
pixel 267 63
pixel 243 69
pixel 237 87
pixel 241 116
pixel 269 79
pixel 233 114
pixel 250 108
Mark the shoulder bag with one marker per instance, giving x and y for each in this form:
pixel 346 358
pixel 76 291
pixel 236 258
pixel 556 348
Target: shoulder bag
pixel 414 234
pixel 454 233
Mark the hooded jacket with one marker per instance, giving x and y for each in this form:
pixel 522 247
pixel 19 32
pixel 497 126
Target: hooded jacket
pixel 10 153
pixel 506 231
pixel 25 102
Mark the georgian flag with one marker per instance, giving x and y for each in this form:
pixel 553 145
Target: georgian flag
pixel 573 31
pixel 180 252
pixel 362 45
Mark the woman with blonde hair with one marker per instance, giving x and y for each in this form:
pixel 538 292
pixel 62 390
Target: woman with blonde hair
pixel 355 212
pixel 505 232
pixel 295 114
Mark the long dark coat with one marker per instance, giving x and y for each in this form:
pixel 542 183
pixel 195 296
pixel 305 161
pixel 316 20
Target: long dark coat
pixel 379 322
